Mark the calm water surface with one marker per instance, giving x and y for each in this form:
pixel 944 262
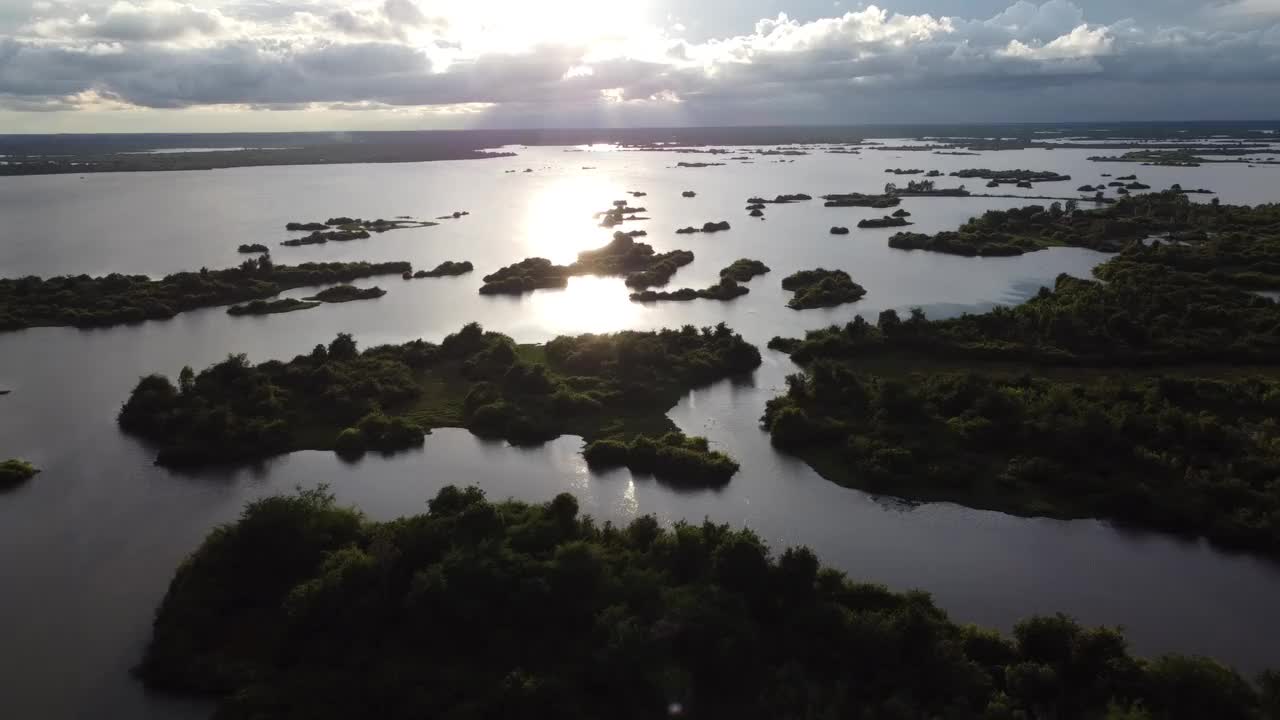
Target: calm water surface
pixel 87 549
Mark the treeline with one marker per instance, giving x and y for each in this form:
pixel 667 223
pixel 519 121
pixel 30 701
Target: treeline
pixel 1194 456
pixel 84 301
pixel 673 458
pixel 302 609
pixel 337 397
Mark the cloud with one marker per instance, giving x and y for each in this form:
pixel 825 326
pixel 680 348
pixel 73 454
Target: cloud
pixel 1030 61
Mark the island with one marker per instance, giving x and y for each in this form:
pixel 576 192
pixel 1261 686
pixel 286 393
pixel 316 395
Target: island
pixel 887 200
pixel 743 269
pixel 253 248
pixel 780 199
pixel 707 227
pixel 673 458
pixel 84 301
pixel 618 214
pixel 839 230
pixel 596 386
pixel 698 164
pixel 726 289
pixel 14 472
pixel 1138 397
pixel 688 194
pixel 346 293
pixel 821 288
pixel 320 237
pixel 1012 176
pixel 1107 229
pixel 302 603
pixel 444 269
pixel 642 267
pixel 884 222
pixel 271 307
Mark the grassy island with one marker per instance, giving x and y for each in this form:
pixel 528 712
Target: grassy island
pixel 304 609
pixel 347 293
pixel 821 288
pixel 84 301
pixel 271 307
pixel 14 472
pixel 743 269
pixel 672 458
pixel 637 261
pixel 592 385
pixel 726 289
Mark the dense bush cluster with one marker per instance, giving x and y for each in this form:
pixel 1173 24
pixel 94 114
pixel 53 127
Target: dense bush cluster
pixel 301 609
pixel 884 222
pixel 1188 455
pixel 821 288
pixel 673 458
pixel 726 289
pixel 84 301
pixel 860 200
pixel 337 397
pixel 1011 176
pixel 270 307
pixel 347 293
pixel 743 269
pixel 445 269
pixel 15 472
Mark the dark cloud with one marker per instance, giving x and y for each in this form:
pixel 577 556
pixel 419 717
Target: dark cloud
pixel 1028 61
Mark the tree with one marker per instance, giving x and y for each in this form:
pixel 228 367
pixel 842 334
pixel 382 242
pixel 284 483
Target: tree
pixel 343 347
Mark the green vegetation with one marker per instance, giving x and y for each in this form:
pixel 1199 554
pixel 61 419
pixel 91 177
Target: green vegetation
pixel 84 301
pixel 637 261
pixel 726 289
pixel 303 609
pixel 253 248
pixel 780 199
pixel 821 288
pixel 884 222
pixel 347 293
pixel 591 385
pixel 15 472
pixel 743 269
pixel 707 227
pixel 861 200
pixel 445 269
pixel 1185 455
pixel 1145 410
pixel 1012 176
pixel 672 458
pixel 270 307
pixel 321 237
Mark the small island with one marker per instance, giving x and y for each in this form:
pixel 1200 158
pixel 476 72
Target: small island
pixel 618 214
pixel 698 164
pixel 642 267
pixel 743 269
pixel 84 301
pixel 444 269
pixel 861 200
pixel 673 458
pixel 821 288
pixel 14 472
pixel 707 227
pixel 1012 176
pixel 354 225
pixel 595 386
pixel 688 194
pixel 271 307
pixel 726 289
pixel 839 230
pixel 347 293
pixel 884 222
pixel 253 248
pixel 320 237
pixel 780 199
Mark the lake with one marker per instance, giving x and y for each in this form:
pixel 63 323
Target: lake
pixel 88 547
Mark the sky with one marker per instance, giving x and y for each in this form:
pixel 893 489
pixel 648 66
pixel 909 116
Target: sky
pixel 278 65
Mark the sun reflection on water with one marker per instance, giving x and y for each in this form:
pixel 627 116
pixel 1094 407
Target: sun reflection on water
pixel 589 305
pixel 559 222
